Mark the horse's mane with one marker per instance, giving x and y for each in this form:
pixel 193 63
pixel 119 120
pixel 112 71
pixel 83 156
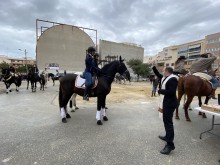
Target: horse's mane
pixel 106 67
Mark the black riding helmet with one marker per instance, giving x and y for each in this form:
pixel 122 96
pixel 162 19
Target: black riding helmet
pixel 91 49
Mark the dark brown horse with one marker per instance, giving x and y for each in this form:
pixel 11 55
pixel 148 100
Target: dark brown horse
pixel 193 86
pixel 102 89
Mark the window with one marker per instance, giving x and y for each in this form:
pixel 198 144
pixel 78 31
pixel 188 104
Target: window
pixel 167 64
pixel 172 64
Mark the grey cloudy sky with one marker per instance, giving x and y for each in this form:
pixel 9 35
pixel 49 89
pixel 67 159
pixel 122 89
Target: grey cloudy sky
pixel 154 24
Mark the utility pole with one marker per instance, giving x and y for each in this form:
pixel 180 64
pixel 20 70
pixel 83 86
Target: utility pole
pixel 25 55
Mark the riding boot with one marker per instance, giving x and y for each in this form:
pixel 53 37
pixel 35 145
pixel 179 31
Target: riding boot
pixel 152 94
pixel 213 94
pixel 86 94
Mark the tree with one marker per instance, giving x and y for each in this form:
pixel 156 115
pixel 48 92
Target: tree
pixel 4 65
pixel 139 68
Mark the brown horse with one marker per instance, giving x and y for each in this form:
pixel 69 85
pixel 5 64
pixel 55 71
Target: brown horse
pixel 193 86
pixel 102 89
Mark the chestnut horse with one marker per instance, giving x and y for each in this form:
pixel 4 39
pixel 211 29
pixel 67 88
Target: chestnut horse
pixel 102 89
pixel 193 86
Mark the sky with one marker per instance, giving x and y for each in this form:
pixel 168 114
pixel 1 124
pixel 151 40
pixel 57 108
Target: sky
pixel 153 24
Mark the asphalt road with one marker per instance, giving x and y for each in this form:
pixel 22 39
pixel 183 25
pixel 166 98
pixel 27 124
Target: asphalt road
pixel 31 132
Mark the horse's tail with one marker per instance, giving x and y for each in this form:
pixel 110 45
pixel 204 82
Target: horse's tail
pixel 60 96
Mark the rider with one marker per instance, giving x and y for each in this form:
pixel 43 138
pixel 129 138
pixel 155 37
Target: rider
pixel 179 66
pixel 204 64
pixel 35 69
pixel 91 68
pixel 12 69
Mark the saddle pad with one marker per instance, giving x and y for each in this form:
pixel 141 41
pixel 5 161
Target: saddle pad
pixel 203 75
pixel 80 82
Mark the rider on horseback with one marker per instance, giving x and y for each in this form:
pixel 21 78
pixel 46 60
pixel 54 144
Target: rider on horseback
pixel 204 65
pixel 179 66
pixel 91 68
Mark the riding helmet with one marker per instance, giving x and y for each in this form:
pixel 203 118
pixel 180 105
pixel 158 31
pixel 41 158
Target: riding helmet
pixel 91 49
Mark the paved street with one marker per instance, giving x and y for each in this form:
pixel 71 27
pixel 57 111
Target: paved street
pixel 31 133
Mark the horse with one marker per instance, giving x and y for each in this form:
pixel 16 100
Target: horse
pixel 53 77
pixel 29 75
pixel 34 78
pixel 9 78
pixel 193 86
pixel 103 88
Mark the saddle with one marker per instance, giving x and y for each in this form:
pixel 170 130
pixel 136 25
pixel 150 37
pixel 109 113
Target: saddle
pixel 204 76
pixel 80 82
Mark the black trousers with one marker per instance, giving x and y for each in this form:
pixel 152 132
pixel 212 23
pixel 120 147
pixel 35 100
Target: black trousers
pixel 168 124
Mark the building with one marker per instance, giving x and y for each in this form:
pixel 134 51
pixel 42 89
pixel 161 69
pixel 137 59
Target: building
pixel 213 46
pixel 191 50
pixel 62 47
pixel 109 50
pixel 4 58
pixel 17 61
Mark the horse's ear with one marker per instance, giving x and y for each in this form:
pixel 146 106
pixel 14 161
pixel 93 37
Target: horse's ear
pixel 120 59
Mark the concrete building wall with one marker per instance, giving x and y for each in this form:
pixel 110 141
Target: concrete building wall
pixel 64 45
pixel 126 50
pixel 4 58
pixel 213 46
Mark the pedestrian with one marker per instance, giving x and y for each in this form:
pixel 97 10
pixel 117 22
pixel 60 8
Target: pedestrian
pixel 169 103
pixel 155 82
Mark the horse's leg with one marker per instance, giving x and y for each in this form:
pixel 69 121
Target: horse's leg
pixel 200 104
pixel 7 90
pixel 64 97
pixel 104 109
pixel 180 95
pixel 53 81
pixel 27 84
pixel 73 102
pixel 67 114
pixel 98 113
pixel 206 102
pixel 186 106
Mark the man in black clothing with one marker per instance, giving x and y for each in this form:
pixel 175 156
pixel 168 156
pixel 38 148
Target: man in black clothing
pixel 168 89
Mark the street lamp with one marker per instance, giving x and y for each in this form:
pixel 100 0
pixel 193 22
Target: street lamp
pixel 25 53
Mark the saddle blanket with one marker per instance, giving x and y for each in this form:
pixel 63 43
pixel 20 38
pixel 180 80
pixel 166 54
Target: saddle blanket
pixel 203 75
pixel 80 82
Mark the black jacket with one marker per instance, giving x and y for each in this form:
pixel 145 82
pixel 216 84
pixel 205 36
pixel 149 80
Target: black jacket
pixel 170 99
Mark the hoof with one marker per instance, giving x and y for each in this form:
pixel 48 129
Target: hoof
pixel 6 92
pixel 106 107
pixel 64 120
pixel 73 110
pixel 9 90
pixel 200 113
pixel 68 116
pixel 105 118
pixel 188 120
pixel 177 117
pixel 17 90
pixel 76 108
pixel 99 122
pixel 190 109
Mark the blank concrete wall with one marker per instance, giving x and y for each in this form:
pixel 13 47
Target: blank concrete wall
pixel 65 45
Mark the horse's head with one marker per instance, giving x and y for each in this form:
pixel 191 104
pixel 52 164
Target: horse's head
pixel 5 71
pixel 122 67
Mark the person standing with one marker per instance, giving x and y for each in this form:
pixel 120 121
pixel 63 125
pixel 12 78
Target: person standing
pixel 155 82
pixel 168 88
